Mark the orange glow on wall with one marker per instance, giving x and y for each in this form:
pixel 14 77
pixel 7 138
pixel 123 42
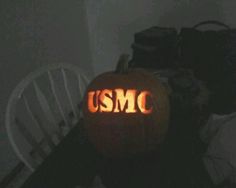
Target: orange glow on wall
pixel 119 100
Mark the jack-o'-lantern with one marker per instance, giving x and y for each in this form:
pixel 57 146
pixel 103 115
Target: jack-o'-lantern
pixel 126 111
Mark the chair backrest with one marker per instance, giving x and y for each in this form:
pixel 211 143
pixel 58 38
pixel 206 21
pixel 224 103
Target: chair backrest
pixel 42 109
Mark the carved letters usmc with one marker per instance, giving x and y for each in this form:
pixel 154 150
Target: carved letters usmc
pixel 119 100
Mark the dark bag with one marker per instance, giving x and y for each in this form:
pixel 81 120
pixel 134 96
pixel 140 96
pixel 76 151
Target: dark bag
pixel 207 52
pixel 211 54
pixel 155 48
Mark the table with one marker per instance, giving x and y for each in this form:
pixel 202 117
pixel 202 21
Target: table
pixel 73 162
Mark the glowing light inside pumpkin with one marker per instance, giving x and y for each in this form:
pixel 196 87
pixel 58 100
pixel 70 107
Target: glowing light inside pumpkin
pixel 119 100
pixel 106 103
pixel 122 99
pixel 142 102
pixel 93 107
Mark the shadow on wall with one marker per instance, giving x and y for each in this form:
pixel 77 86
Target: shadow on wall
pixel 112 25
pixel 165 13
pixel 176 13
pixel 189 12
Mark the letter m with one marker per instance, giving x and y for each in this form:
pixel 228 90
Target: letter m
pixel 125 101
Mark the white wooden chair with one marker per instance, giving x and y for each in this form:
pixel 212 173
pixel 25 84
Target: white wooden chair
pixel 42 109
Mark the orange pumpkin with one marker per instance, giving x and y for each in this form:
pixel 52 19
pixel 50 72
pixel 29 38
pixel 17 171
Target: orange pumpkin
pixel 126 112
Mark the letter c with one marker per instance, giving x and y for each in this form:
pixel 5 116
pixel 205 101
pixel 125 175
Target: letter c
pixel 141 100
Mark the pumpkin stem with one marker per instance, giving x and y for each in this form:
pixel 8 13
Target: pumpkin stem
pixel 123 64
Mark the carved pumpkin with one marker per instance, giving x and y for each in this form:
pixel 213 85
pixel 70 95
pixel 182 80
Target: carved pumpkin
pixel 126 112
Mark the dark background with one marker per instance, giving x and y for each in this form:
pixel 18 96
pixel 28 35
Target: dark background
pixel 88 33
